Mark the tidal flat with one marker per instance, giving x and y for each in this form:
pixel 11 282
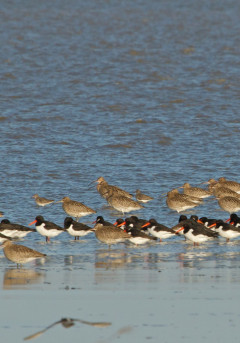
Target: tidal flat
pixel 170 290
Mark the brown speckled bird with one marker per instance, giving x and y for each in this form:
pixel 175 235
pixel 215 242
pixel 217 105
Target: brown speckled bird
pixel 19 253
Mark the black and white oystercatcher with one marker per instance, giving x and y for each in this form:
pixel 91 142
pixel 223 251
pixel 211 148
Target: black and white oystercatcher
pixel 46 228
pixel 75 228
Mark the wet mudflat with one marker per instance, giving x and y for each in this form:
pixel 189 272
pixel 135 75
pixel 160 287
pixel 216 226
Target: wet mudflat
pixel 172 290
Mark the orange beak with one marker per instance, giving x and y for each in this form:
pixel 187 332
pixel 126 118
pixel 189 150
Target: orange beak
pixel 34 222
pixel 199 221
pixel 212 225
pixel 228 220
pixel 146 224
pixel 94 222
pixel 181 228
pixel 124 223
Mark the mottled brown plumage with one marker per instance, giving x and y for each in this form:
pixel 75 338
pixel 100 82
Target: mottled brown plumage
pixel 142 197
pixel 109 234
pixel 229 204
pixel 234 185
pixel 40 201
pixel 222 191
pixel 195 191
pixel 122 203
pixel 179 202
pixel 19 253
pixel 104 189
pixel 75 208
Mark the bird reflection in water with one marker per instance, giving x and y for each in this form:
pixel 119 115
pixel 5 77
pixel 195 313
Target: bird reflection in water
pixel 21 278
pixel 192 259
pixel 120 332
pixel 68 260
pixel 106 259
pixel 67 323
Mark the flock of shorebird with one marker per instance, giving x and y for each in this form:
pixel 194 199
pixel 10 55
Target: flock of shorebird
pixel 137 231
pixel 227 193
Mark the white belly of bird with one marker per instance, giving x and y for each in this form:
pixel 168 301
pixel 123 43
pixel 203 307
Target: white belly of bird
pixel 112 241
pixel 198 238
pixel 160 234
pixel 186 207
pixel 2 239
pixel 23 260
pixel 144 200
pixel 138 240
pixel 21 234
pixel 80 213
pixel 227 234
pixel 9 233
pixel 77 233
pixel 124 209
pixel 181 207
pixel 48 233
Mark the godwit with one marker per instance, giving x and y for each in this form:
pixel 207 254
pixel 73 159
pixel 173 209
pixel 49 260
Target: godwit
pixel 110 235
pixel 229 204
pixel 178 202
pixel 20 254
pixel 75 209
pixel 122 203
pixel 142 197
pixel 42 201
pixel 195 191
pixel 235 186
pixel 104 189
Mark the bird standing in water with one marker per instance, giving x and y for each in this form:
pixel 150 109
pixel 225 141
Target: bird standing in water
pixel 110 234
pixel 40 201
pixel 20 254
pixel 75 208
pixel 142 197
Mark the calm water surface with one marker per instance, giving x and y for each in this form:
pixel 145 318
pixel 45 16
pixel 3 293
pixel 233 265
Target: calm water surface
pixel 146 94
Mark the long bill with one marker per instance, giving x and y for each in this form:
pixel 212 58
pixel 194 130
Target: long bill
pixel 146 224
pixel 181 228
pixel 121 224
pixel 210 226
pixel 34 222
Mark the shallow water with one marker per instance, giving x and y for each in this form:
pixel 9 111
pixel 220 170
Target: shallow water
pixel 145 94
pixel 172 290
